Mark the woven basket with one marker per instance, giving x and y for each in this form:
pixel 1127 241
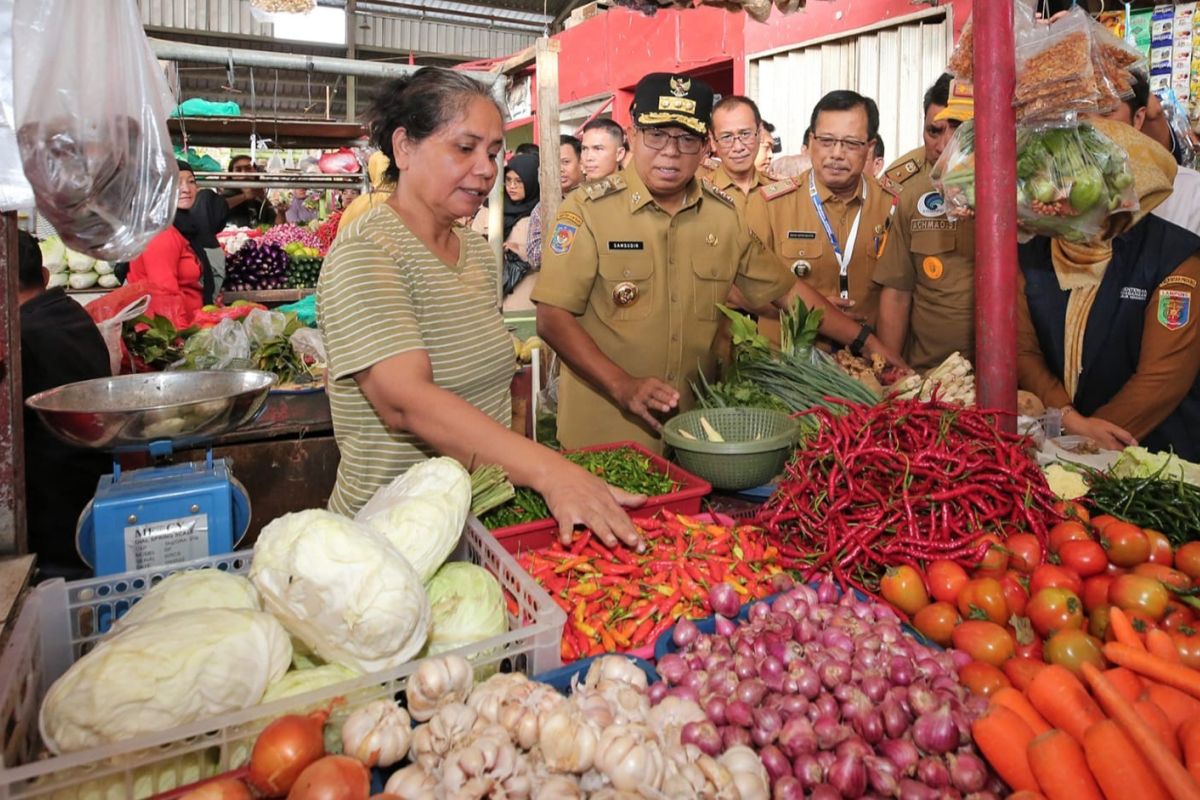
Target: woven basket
pixel 758 442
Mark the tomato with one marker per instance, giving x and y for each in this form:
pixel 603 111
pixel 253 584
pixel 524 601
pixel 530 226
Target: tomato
pixel 1083 558
pixel 1178 617
pixel 904 588
pixel 936 622
pixel 1097 624
pixel 983 598
pixel 1187 559
pixel 995 558
pixel 982 679
pixel 1016 596
pixel 1068 531
pixel 1138 621
pixel 1095 592
pixel 1103 521
pixel 1054 609
pixel 1160 547
pixel 1126 544
pixel 946 579
pixel 1071 648
pixel 1160 572
pixel 1139 593
pixel 984 641
pixel 1069 509
pixel 1051 575
pixel 1025 552
pixel 1187 642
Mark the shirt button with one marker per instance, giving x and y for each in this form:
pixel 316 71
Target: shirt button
pixel 674 337
pixel 670 376
pixel 626 273
pixel 714 272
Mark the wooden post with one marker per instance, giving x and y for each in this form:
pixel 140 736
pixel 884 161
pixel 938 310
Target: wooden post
pixel 546 53
pixel 12 440
pixel 351 53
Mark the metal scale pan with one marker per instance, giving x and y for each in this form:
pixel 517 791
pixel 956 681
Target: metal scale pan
pixel 162 514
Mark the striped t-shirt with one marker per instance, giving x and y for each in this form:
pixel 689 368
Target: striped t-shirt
pixel 382 293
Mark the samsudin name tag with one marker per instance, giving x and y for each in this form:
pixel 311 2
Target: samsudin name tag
pixel 626 245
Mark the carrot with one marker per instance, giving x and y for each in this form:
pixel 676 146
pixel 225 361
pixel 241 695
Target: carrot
pixel 1118 766
pixel 1016 702
pixel 1178 707
pixel 1061 768
pixel 1003 737
pixel 1157 719
pixel 1127 682
pixel 1149 666
pixel 1063 702
pixel 1158 643
pixel 1021 671
pixel 1189 740
pixel 1166 766
pixel 1123 630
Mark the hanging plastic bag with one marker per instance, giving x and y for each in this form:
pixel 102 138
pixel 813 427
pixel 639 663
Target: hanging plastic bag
pixel 269 11
pixel 112 327
pixel 91 106
pixel 1055 78
pixel 1113 59
pixel 15 191
pixel 962 60
pixel 954 172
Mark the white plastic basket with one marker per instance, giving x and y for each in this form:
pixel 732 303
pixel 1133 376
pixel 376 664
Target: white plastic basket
pixel 60 621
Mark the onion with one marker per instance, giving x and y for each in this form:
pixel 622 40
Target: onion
pixel 902 753
pixel 935 733
pixel 882 775
pixel 723 683
pixel 744 667
pixel 284 749
pixel 704 735
pixel 684 693
pixel 833 673
pixel 922 701
pixel 685 633
pixel 739 713
pixel 793 705
pixel 695 680
pixel 714 708
pixel 725 627
pixel 967 773
pixel 672 668
pixel 751 691
pixel 220 789
pixel 732 736
pixel 797 737
pixel 784 604
pixel 808 683
pixel 827 705
pixel 960 659
pixel 758 611
pixel 787 788
pixel 911 790
pixel 829 733
pixel 767 723
pixel 775 761
pixel 874 687
pixel 823 791
pixel 895 719
pixel 656 693
pixel 782 582
pixel 333 778
pixel 900 672
pixel 827 590
pixel 869 726
pixel 837 638
pixel 932 772
pixel 723 600
pixel 848 776
pixel 808 770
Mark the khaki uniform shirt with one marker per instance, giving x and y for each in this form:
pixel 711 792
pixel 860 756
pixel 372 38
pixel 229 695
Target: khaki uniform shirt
pixel 645 286
pixel 783 216
pixel 720 178
pixel 932 256
pixel 903 169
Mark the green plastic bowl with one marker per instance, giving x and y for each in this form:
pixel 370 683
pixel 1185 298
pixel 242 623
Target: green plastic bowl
pixel 758 442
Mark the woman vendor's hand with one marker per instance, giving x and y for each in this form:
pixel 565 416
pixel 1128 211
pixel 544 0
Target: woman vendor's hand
pixel 577 497
pixel 1105 434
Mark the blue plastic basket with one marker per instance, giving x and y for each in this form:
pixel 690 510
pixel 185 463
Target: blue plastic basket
pixel 560 678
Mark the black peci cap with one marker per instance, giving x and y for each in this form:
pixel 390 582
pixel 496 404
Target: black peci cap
pixel 665 99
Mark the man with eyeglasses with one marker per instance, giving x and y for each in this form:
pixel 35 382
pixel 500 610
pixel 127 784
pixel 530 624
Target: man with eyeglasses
pixel 927 270
pixel 636 265
pixel 736 132
pixel 828 223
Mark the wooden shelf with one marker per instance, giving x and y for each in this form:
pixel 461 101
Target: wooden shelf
pixel 295 133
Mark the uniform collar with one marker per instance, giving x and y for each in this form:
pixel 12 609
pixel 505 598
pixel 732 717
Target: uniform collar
pixel 639 195
pixel 825 193
pixel 720 178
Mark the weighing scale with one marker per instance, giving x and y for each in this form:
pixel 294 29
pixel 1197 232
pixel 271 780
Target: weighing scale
pixel 167 513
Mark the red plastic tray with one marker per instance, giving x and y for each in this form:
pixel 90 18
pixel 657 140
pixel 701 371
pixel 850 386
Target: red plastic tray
pixel 684 500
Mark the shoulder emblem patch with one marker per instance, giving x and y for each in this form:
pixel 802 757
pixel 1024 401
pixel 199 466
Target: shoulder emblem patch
pixel 720 194
pixel 778 188
pixel 1174 308
pixel 603 187
pixel 1179 280
pixel 902 172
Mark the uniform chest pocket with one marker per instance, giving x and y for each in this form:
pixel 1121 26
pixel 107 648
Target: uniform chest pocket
pixel 806 245
pixel 932 243
pixel 626 280
pixel 711 279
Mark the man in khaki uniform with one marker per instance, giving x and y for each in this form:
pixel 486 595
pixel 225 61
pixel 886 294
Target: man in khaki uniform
pixel 927 270
pixel 734 136
pixel 828 224
pixel 635 266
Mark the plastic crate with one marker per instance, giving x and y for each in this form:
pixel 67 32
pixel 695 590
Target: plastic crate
pixel 684 500
pixel 60 621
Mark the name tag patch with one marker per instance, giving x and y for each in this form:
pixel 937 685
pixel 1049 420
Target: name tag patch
pixel 918 225
pixel 1134 293
pixel 802 234
pixel 626 245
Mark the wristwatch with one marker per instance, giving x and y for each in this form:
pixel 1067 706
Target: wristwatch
pixel 859 341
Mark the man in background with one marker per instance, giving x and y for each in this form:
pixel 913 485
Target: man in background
pixel 248 208
pixel 60 344
pixel 602 148
pixel 737 128
pixel 570 175
pixel 877 160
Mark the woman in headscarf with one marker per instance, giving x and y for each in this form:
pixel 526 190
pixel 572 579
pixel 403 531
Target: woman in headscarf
pixel 175 264
pixel 521 194
pixel 1106 331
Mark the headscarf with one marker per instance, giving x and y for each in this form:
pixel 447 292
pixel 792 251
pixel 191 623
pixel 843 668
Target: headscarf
pixel 1080 267
pixel 199 228
pixel 526 168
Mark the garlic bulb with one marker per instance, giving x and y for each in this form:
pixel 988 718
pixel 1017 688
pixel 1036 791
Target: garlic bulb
pixel 749 775
pixel 448 728
pixel 627 703
pixel 559 787
pixel 594 706
pixel 377 734
pixel 437 682
pixel 520 714
pixel 614 668
pixel 487 696
pixel 567 741
pixel 630 757
pixel 668 718
pixel 412 783
pixel 488 768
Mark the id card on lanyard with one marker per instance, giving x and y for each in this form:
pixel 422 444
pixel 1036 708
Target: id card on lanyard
pixel 843 258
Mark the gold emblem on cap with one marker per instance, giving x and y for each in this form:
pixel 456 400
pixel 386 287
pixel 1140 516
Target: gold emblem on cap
pixel 680 86
pixel 712 240
pixel 801 268
pixel 626 294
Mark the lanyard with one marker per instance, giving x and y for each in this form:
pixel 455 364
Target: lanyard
pixel 843 258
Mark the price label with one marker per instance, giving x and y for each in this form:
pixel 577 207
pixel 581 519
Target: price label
pixel 172 541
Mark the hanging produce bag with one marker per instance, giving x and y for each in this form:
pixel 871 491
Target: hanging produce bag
pixel 954 172
pixel 1113 60
pixel 1056 81
pixel 90 106
pixel 15 191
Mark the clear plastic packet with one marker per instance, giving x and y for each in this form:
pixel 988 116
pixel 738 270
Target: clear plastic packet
pixel 91 104
pixel 1055 78
pixel 223 346
pixel 1177 118
pixel 954 172
pixel 15 191
pixel 962 59
pixel 1113 60
pixel 308 342
pixel 1069 181
pixel 264 326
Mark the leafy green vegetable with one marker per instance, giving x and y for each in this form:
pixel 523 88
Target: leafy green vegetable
pixel 159 344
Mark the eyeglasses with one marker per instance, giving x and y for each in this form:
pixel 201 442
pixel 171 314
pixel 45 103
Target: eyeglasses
pixel 745 137
pixel 850 145
pixel 656 139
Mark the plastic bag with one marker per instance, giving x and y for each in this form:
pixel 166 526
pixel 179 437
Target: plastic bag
pixel 1069 180
pixel 962 60
pixel 954 172
pixel 91 106
pixel 307 343
pixel 1181 139
pixel 223 346
pixel 15 191
pixel 1055 79
pixel 264 326
pixel 1113 59
pixel 111 328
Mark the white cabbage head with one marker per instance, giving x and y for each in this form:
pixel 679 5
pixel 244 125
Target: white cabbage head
pixel 190 591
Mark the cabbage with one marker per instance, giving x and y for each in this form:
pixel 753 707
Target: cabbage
pixel 189 591
pixel 163 673
pixel 109 281
pixel 299 681
pixel 422 512
pixel 467 604
pixel 1138 462
pixel 54 254
pixel 341 589
pixel 103 268
pixel 78 262
pixel 57 280
pixel 82 280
